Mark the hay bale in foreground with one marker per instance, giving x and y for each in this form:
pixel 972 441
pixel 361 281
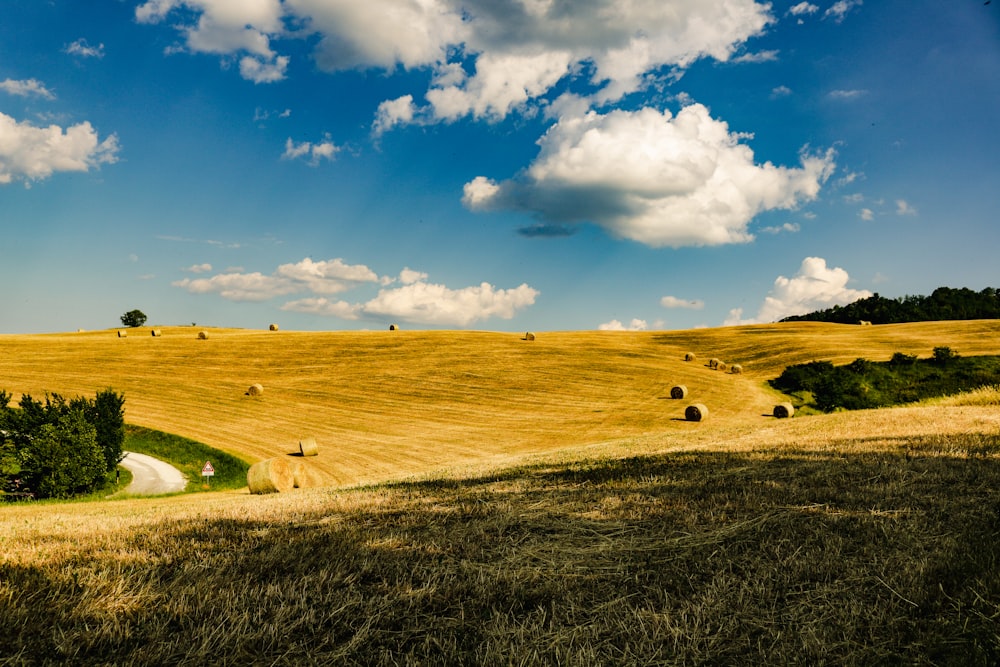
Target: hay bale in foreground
pixel 256 389
pixel 156 333
pixel 678 391
pixel 695 412
pixel 529 336
pixel 202 335
pixel 307 447
pixel 713 363
pixel 274 475
pixel 273 327
pixel 735 369
pixel 784 410
pixel 690 356
pixel 122 334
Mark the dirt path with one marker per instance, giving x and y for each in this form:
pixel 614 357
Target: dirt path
pixel 151 476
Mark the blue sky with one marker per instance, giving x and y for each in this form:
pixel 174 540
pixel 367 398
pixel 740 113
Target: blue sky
pixel 515 165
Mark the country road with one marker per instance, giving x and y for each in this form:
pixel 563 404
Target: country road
pixel 151 476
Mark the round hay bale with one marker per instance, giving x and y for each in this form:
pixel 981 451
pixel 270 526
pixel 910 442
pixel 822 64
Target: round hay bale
pixel 272 476
pixel 784 410
pixel 721 366
pixel 735 369
pixel 273 327
pixel 529 336
pixel 678 391
pixel 255 390
pixel 393 327
pixel 156 333
pixel 122 334
pixel 690 356
pixel 307 447
pixel 695 412
pixel 713 363
pixel 202 335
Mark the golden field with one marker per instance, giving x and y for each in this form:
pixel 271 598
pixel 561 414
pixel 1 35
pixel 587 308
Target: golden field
pixel 529 502
pixel 390 404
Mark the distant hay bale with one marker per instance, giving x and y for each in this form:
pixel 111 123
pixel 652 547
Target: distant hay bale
pixel 393 327
pixel 784 410
pixel 713 363
pixel 735 369
pixel 864 323
pixel 275 475
pixel 678 391
pixel 307 447
pixel 690 356
pixel 273 327
pixel 529 336
pixel 721 366
pixel 255 390
pixel 202 335
pixel 122 334
pixel 695 412
pixel 156 333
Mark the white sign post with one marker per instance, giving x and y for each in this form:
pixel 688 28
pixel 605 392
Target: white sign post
pixel 207 471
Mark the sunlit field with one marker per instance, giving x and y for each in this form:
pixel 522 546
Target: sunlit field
pixel 487 499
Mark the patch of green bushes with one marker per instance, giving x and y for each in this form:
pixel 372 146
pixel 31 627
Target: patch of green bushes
pixel 903 379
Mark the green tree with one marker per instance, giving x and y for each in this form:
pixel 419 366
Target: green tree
pixel 134 318
pixel 63 459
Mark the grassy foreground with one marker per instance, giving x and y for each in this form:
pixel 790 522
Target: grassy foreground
pixel 854 552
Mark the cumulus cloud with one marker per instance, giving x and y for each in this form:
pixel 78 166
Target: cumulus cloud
pixel 615 325
pixel 651 177
pixel 866 214
pixel 903 208
pixel 413 300
pixel 392 113
pixel 199 268
pixel 759 57
pixel 815 287
pixel 429 303
pixel 802 9
pixel 488 59
pixel 82 49
pixel 312 153
pixel 674 302
pixel 34 153
pixel 26 88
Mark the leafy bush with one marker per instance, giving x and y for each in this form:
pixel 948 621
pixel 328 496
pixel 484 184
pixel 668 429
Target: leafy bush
pixel 903 379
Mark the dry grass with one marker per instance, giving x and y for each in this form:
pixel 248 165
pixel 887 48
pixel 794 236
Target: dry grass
pixel 405 402
pixel 558 510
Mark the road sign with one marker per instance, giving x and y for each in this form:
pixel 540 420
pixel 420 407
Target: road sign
pixel 208 470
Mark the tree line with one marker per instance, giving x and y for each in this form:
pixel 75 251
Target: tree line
pixel 944 303
pixel 60 448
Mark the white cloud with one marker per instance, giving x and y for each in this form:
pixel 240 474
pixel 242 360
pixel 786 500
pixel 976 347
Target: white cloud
pixel 651 177
pixel 759 57
pixel 228 27
pixel 616 325
pixel 780 91
pixel 82 49
pixel 429 303
pixel 324 150
pixel 840 9
pixel 408 276
pixel 788 227
pixel 34 153
pixel 393 112
pixel 847 95
pixel 814 287
pixel 866 214
pixel 802 9
pixel 327 277
pixel 199 268
pixel 514 52
pixel 903 208
pixel 674 302
pixel 324 307
pixel 240 286
pixel 26 88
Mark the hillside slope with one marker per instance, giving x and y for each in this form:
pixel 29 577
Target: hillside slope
pixel 386 405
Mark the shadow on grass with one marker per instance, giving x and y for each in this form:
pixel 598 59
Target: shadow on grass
pixel 888 556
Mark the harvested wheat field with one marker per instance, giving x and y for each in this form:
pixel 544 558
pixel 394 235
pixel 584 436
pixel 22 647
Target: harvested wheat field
pixel 552 505
pixel 401 403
